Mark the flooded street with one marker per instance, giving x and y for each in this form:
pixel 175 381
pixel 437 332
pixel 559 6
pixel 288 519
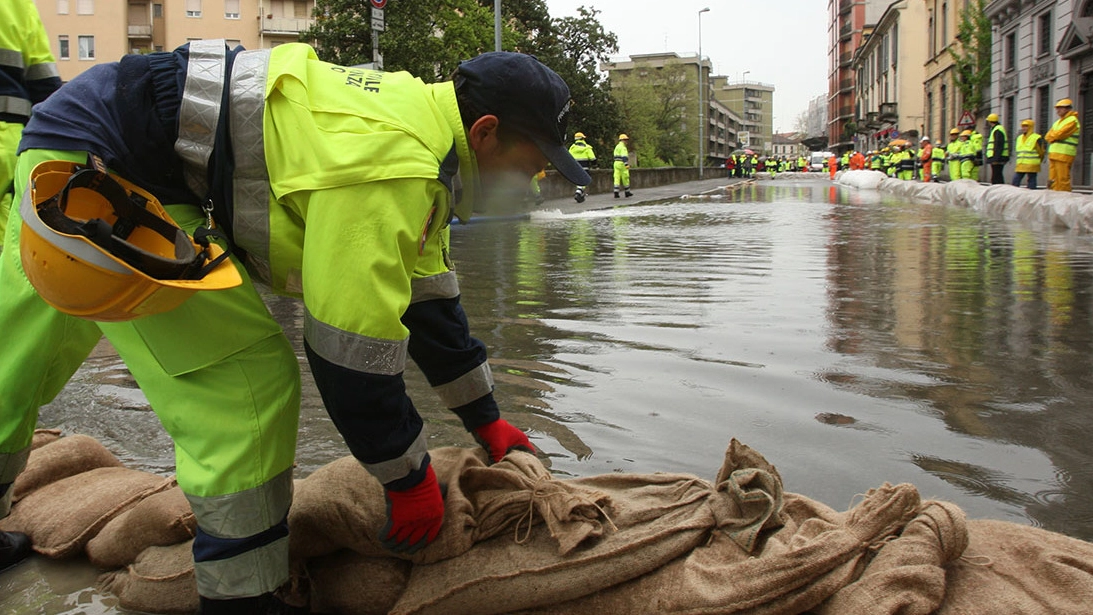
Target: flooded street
pixel 850 338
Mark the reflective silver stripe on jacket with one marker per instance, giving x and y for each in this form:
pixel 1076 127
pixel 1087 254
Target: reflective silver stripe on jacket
pixel 75 246
pixel 11 464
pixel 250 181
pixel 251 573
pixel 400 467
pixel 15 105
pixel 12 58
pixel 353 351
pixel 246 513
pixel 200 111
pixel 466 388
pixel 45 70
pixel 442 286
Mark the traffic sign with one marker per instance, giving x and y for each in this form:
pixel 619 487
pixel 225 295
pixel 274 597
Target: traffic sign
pixel 966 119
pixel 379 4
pixel 377 20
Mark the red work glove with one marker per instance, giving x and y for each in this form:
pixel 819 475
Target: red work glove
pixel 499 437
pixel 414 516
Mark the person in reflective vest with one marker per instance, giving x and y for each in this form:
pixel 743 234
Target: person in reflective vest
pixel 1029 151
pixel 970 153
pixel 937 161
pixel 28 75
pixel 583 154
pixel 832 166
pixel 998 149
pixel 1062 146
pixel 844 160
pixel 876 161
pixel 339 184
pixel 952 154
pixel 622 166
pixel 926 155
pixel 904 163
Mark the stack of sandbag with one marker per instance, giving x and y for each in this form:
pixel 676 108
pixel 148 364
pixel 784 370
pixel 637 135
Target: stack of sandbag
pixel 517 540
pixel 75 497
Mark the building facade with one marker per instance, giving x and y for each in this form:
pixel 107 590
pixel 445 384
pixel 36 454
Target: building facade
pixel 847 25
pixel 753 102
pixel 789 145
pixel 942 102
pixel 1040 51
pixel 890 70
pixel 722 124
pixel 89 32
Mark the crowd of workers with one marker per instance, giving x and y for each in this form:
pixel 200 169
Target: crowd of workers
pixel 967 152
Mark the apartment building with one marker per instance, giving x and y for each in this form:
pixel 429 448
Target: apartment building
pixel 722 123
pixel 848 23
pixel 889 71
pixel 89 32
pixel 943 103
pixel 1040 51
pixel 753 102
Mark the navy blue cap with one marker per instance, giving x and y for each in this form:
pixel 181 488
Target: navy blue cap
pixel 528 97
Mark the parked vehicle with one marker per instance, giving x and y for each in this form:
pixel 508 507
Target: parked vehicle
pixel 818 160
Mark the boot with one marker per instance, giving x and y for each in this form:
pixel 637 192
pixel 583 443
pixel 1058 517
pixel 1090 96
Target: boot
pixel 578 195
pixel 14 548
pixel 616 194
pixel 629 194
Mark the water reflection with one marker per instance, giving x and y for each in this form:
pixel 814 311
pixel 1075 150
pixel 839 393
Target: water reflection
pixel 852 339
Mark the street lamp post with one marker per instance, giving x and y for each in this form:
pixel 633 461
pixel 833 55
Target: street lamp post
pixel 701 99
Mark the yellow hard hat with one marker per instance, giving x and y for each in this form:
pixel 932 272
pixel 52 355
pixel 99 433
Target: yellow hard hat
pixel 623 137
pixel 97 247
pixel 954 131
pixel 966 133
pixel 885 149
pixel 992 117
pixel 1028 123
pixel 1065 102
pixel 578 135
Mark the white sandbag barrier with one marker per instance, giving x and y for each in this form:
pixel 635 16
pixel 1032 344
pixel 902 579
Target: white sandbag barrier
pixel 517 540
pixel 1061 209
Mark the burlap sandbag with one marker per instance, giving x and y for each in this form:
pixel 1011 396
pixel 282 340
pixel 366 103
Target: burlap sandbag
pixel 353 584
pixel 159 520
pixel 793 568
pixel 161 580
pixel 1019 570
pixel 43 437
pixel 342 506
pixel 61 458
pixel 907 576
pixel 649 520
pixel 63 516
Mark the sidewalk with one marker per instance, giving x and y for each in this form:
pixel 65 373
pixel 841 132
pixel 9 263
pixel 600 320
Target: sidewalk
pixel 641 195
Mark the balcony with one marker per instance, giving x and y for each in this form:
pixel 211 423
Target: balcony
pixel 872 120
pixel 889 112
pixel 140 31
pixel 285 25
pixel 845 59
pixel 845 6
pixel 845 85
pixel 846 30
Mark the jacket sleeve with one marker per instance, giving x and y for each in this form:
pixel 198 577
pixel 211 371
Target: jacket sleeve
pixel 363 246
pixel 1061 133
pixel 42 77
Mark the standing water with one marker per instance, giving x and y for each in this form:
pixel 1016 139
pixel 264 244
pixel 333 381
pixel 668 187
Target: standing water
pixel 850 338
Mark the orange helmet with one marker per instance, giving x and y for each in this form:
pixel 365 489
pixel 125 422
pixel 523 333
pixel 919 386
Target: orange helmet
pixel 98 247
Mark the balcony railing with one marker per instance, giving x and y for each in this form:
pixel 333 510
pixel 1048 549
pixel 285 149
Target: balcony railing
pixel 844 6
pixel 140 31
pixel 285 24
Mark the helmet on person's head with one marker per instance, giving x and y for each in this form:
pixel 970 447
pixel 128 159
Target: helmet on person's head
pixel 954 131
pixel 992 117
pixel 1028 123
pixel 1065 102
pixel 966 133
pixel 623 137
pixel 97 247
pixel 578 135
pixel 924 138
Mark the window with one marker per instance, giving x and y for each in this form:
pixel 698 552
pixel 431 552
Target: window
pixel 1043 34
pixel 62 47
pixel 85 7
pixel 945 24
pixel 1043 107
pixel 930 114
pixel 1010 110
pixel 87 47
pixel 1009 58
pixel 231 9
pixel 895 44
pixel 932 35
pixel 944 109
pixel 62 7
pixel 193 8
pixel 157 11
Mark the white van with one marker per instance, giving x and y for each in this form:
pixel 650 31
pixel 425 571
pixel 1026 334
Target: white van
pixel 818 161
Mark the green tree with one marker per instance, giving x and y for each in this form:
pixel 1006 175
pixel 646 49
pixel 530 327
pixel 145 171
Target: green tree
pixel 655 105
pixel 972 60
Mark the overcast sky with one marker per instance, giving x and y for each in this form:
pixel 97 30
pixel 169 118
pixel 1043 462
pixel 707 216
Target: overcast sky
pixel 779 42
